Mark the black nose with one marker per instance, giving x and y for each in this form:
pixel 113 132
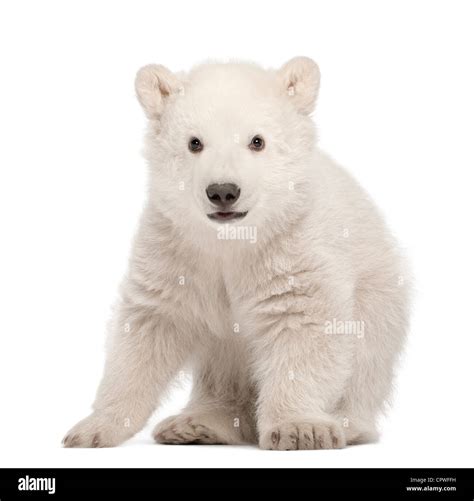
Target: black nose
pixel 223 195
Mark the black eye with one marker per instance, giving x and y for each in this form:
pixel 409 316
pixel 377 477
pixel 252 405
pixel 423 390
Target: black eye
pixel 195 145
pixel 257 143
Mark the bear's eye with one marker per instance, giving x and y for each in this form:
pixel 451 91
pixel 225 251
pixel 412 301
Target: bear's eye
pixel 257 143
pixel 195 145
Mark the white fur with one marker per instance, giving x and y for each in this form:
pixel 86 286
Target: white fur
pixel 251 318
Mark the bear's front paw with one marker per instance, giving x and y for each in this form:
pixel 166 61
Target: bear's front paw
pixel 96 431
pixel 292 436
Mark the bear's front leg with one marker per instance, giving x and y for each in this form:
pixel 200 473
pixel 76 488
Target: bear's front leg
pixel 301 368
pixel 145 353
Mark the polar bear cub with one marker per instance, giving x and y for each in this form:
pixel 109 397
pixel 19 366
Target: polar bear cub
pixel 259 264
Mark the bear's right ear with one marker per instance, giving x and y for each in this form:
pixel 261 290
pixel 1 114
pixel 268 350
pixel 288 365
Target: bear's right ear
pixel 299 79
pixel 154 84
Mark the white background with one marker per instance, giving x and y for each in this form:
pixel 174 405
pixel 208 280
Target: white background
pixel 396 108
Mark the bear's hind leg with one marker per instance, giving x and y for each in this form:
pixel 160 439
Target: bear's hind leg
pixel 221 407
pixel 382 308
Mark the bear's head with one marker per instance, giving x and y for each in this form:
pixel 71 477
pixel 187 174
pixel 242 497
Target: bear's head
pixel 230 143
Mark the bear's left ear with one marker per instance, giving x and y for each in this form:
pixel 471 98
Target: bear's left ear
pixel 154 84
pixel 299 78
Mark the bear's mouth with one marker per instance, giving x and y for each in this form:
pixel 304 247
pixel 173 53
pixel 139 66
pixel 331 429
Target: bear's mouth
pixel 226 216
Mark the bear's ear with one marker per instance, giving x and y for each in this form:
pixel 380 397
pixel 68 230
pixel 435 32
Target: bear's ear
pixel 154 84
pixel 300 80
